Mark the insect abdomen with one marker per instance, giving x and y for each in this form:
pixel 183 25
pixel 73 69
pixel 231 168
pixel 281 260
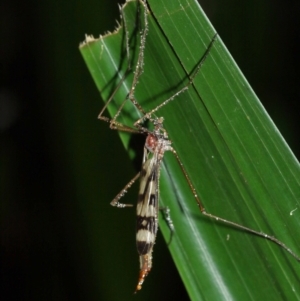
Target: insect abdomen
pixel 146 220
pixel 146 232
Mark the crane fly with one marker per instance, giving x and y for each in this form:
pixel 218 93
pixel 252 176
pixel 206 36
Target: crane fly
pixel 157 143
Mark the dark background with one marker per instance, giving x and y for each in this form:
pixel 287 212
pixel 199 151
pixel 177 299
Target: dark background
pixel 60 166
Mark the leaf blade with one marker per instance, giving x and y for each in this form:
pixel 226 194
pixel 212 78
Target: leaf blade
pixel 229 172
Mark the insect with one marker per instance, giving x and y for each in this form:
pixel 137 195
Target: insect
pixel 157 143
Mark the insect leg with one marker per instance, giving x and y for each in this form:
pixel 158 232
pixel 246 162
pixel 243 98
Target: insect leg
pixel 167 218
pixel 115 202
pixel 220 219
pixel 190 82
pixel 114 124
pixel 139 68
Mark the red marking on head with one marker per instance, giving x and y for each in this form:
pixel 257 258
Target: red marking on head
pixel 151 142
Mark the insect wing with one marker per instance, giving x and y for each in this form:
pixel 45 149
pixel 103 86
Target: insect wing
pixel 147 207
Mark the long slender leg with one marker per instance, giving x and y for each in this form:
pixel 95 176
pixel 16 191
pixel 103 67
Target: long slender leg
pixel 100 116
pixel 115 202
pixel 190 82
pixel 167 218
pixel 140 62
pixel 219 219
pixel 114 124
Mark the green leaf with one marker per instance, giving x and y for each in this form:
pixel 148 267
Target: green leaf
pixel 237 160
